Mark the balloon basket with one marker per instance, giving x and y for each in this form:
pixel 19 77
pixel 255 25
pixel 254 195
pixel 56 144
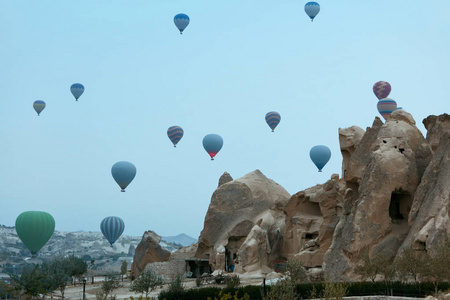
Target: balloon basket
pixel 122 190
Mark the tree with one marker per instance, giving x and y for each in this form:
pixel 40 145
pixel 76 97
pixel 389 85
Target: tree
pixel 410 264
pixel 56 276
pixel 124 267
pixel 367 267
pixel 108 287
pixel 287 288
pixel 437 267
pixel 147 281
pixel 75 266
pixel 29 283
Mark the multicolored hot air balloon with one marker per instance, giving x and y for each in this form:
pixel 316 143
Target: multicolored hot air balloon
pixel 312 9
pixel 181 21
pixel 212 144
pixel 175 133
pixel 382 89
pixel 112 228
pixel 123 173
pixel 34 229
pixel 77 90
pixel 39 106
pixel 386 106
pixel 273 119
pixel 320 155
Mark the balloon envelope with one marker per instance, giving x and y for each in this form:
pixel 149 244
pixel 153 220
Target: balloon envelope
pixel 175 133
pixel 181 21
pixel 112 228
pixel 77 90
pixel 386 107
pixel 312 9
pixel 273 119
pixel 212 144
pixel 320 155
pixel 35 228
pixel 381 89
pixel 39 106
pixel 123 173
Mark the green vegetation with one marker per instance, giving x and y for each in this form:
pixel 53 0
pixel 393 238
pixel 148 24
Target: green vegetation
pixel 287 288
pixel 41 280
pixel 107 288
pixel 124 267
pixel 146 282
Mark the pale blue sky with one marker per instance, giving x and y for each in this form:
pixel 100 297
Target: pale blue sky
pixel 236 61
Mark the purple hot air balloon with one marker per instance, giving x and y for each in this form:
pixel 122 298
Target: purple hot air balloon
pixel 386 106
pixel 382 89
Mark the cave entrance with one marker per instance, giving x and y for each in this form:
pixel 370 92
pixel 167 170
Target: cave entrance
pixel 399 207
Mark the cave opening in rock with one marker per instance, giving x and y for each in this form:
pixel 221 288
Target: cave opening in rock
pixel 310 208
pixel 399 207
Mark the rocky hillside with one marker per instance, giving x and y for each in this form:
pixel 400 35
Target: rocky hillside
pixel 90 245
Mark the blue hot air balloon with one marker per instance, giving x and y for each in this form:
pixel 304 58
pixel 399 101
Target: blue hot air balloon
pixel 112 228
pixel 39 106
pixel 77 90
pixel 212 144
pixel 123 173
pixel 175 133
pixel 272 119
pixel 312 9
pixel 320 155
pixel 181 21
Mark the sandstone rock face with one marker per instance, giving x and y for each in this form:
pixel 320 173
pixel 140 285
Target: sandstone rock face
pixel 429 216
pixel 225 178
pixel 245 216
pixel 394 163
pixel 148 251
pixel 311 217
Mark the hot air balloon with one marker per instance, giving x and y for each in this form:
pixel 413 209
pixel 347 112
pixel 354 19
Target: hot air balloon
pixel 181 21
pixel 35 228
pixel 382 89
pixel 312 9
pixel 77 90
pixel 386 106
pixel 272 119
pixel 175 133
pixel 212 144
pixel 112 228
pixel 123 173
pixel 39 106
pixel 320 155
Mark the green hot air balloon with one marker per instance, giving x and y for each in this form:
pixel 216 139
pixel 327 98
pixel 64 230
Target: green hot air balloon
pixel 35 228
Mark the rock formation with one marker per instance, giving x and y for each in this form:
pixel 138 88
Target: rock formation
pixel 394 194
pixel 243 225
pixel 391 175
pixel 148 251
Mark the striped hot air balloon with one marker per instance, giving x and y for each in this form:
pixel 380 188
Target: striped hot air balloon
pixel 181 21
pixel 39 106
pixel 382 89
pixel 77 90
pixel 273 119
pixel 175 133
pixel 212 144
pixel 312 9
pixel 386 106
pixel 112 228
